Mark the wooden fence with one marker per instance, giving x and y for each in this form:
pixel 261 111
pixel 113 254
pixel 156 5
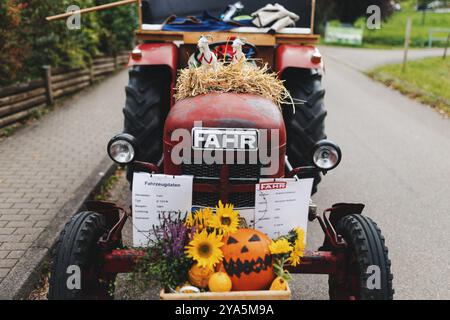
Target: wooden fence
pixel 17 102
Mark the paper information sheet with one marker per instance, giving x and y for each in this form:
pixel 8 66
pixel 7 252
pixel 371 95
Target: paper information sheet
pixel 281 205
pixel 154 194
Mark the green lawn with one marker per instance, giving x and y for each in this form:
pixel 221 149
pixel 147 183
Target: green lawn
pixel 427 80
pixel 392 31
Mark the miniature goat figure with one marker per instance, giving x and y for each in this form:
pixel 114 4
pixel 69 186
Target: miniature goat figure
pixel 207 57
pixel 238 55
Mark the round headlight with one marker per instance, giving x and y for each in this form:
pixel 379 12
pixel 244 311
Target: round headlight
pixel 327 155
pixel 121 149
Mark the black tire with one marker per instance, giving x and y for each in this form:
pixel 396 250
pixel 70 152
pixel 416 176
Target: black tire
pixel 78 246
pixel 366 248
pixel 146 108
pixel 307 125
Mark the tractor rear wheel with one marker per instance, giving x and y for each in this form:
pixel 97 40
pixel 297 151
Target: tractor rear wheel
pixel 75 266
pixel 306 125
pixel 146 107
pixel 367 266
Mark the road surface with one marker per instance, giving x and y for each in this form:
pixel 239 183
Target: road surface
pixel 366 59
pixel 395 160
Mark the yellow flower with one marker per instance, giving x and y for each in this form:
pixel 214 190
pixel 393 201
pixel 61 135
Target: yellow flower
pixel 280 246
pixel 189 220
pixel 226 220
pixel 299 247
pixel 205 249
pixel 199 219
pixel 300 234
pixel 295 257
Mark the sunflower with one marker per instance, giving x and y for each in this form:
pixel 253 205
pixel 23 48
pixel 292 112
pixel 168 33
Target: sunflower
pixel 226 219
pixel 299 247
pixel 205 249
pixel 300 233
pixel 199 219
pixel 280 246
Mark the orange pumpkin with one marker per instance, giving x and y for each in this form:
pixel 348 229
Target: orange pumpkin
pixel 199 276
pixel 247 260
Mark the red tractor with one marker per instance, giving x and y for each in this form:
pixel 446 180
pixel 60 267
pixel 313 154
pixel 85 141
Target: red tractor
pixel 353 249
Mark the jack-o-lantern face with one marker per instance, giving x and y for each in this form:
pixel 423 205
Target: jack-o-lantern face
pixel 247 260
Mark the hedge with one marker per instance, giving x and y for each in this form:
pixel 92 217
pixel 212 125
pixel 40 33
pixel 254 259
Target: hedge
pixel 28 41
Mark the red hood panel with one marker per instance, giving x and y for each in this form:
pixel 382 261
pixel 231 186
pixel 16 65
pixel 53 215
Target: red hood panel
pixel 225 110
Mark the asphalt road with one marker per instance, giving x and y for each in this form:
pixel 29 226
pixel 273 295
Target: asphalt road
pixel 395 160
pixel 365 59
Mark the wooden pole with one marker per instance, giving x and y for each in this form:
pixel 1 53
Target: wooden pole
pixel 87 10
pixel 91 73
pixel 47 75
pixel 446 47
pixel 313 13
pixel 139 8
pixel 407 41
pixel 116 61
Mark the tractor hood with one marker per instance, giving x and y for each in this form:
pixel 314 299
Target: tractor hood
pixel 225 110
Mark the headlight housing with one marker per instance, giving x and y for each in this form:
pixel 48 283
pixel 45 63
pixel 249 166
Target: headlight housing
pixel 122 148
pixel 326 155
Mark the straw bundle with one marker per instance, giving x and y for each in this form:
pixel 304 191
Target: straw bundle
pixel 241 77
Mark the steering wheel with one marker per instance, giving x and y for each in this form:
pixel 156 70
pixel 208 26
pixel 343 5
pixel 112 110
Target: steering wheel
pixel 224 51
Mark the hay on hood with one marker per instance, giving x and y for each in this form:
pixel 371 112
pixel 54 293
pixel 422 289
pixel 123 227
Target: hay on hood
pixel 241 77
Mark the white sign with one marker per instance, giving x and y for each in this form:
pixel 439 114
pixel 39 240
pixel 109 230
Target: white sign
pixel 154 195
pixel 344 35
pixel 224 139
pixel 281 205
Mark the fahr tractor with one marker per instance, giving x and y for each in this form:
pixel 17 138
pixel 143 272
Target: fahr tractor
pixel 353 249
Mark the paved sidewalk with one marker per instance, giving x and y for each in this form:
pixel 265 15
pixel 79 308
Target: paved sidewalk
pixel 43 166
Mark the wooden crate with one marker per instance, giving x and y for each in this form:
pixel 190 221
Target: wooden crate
pixel 233 295
pixel 258 39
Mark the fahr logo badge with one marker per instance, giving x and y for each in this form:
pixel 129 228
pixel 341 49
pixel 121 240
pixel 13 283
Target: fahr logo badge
pixel 272 185
pixel 225 139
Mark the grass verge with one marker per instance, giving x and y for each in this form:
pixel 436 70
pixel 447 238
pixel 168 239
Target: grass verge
pixel 426 80
pixel 392 31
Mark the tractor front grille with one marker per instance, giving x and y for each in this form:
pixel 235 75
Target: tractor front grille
pixel 239 200
pixel 242 200
pixel 205 199
pixel 210 174
pixel 202 170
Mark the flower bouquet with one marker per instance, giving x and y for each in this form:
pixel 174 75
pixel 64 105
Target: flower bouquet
pixel 211 254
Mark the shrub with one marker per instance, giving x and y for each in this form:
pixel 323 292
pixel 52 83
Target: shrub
pixel 13 48
pixel 28 41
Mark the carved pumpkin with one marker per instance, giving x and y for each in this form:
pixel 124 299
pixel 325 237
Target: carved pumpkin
pixel 247 260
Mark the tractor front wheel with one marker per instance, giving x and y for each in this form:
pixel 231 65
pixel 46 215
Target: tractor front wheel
pixel 75 266
pixel 305 123
pixel 146 108
pixel 366 273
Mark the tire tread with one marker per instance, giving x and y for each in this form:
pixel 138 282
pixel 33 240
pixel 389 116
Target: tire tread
pixel 305 126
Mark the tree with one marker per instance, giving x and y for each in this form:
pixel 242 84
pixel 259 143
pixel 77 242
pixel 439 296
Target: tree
pixel 117 26
pixel 52 42
pixel 13 48
pixel 348 11
pixel 28 41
